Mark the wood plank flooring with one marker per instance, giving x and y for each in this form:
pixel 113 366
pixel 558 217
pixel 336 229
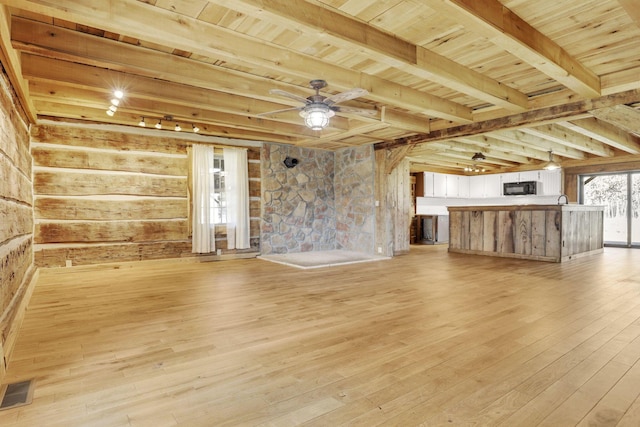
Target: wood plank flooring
pixel 429 338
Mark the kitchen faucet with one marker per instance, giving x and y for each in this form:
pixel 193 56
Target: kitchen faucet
pixel 566 199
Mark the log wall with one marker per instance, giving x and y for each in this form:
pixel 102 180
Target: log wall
pixel 111 196
pixel 17 271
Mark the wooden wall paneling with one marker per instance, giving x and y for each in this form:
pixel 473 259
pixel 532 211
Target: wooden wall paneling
pixel 455 231
pixel 17 220
pixel 403 207
pixel 111 252
pixel 476 231
pixel 505 231
pixel 538 233
pixel 553 231
pixel 110 231
pixel 14 183
pixel 522 232
pixel 66 183
pixel 79 158
pixel 383 230
pixel 110 208
pixel 489 230
pixel 106 139
pixel 464 230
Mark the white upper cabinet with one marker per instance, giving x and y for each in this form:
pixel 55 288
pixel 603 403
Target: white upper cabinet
pixel 489 185
pixel 492 185
pixel 463 186
pixel 476 186
pixel 551 182
pixel 439 185
pixel 529 176
pixel 428 184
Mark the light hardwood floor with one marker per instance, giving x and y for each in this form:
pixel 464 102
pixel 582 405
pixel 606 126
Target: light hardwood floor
pixel 427 338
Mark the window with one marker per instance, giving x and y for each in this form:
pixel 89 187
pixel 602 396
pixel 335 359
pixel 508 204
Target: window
pixel 218 195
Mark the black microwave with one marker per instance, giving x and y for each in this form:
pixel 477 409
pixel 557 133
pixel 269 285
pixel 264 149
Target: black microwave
pixel 519 188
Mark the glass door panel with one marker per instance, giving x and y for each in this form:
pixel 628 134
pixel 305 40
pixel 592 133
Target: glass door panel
pixel 611 192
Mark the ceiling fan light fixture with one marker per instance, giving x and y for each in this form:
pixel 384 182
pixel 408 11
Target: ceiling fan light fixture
pixel 316 115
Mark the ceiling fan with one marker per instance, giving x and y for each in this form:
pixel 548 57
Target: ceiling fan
pixel 318 109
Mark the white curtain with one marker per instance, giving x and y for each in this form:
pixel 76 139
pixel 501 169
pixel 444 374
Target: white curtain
pixel 203 240
pixel 236 178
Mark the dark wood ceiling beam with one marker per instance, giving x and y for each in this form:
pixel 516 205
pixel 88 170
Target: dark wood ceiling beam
pixel 571 111
pixel 504 28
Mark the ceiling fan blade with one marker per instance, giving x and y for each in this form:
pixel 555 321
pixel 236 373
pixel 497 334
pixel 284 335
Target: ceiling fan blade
pixel 268 113
pixel 345 96
pixel 289 95
pixel 359 111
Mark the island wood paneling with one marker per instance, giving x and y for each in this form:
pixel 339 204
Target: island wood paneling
pixel 106 195
pixel 541 232
pixel 17 270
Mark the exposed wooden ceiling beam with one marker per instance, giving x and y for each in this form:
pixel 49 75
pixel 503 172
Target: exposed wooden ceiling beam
pixel 571 111
pixel 506 29
pixel 506 146
pixel 11 63
pixel 631 6
pixel 608 134
pixel 518 136
pixel 622 116
pixel 570 139
pixel 141 21
pixel 412 59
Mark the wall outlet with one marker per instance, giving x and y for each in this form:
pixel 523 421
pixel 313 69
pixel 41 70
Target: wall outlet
pixel 219 252
pixel 377 202
pixel 68 263
pixel 379 249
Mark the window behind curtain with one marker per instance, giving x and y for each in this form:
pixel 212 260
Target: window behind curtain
pixel 218 193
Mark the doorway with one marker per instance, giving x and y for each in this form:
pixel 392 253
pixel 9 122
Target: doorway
pixel 619 193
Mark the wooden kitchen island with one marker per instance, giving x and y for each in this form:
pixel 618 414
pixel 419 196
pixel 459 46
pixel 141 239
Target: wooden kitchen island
pixel 553 233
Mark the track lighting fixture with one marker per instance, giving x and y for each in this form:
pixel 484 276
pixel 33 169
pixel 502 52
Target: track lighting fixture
pixel 177 128
pixel 195 128
pixel 159 124
pixel 110 112
pixel 141 123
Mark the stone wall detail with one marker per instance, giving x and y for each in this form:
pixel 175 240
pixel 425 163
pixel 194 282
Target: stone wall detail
pixel 354 191
pixel 325 202
pixel 298 211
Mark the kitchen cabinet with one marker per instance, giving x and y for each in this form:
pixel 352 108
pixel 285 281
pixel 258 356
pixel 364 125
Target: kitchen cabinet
pixel 453 185
pixel 439 185
pixel 493 185
pixel 428 184
pixel 551 182
pixel 476 186
pixel 553 233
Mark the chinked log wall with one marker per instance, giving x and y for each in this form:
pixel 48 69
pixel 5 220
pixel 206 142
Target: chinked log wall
pixel 17 271
pixel 107 196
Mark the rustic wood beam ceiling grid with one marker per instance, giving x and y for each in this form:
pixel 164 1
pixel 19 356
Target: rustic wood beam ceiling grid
pixel 447 78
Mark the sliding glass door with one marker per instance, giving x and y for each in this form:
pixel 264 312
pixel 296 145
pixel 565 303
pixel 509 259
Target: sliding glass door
pixel 620 195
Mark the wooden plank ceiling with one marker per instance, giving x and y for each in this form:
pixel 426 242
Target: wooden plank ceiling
pixel 512 79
